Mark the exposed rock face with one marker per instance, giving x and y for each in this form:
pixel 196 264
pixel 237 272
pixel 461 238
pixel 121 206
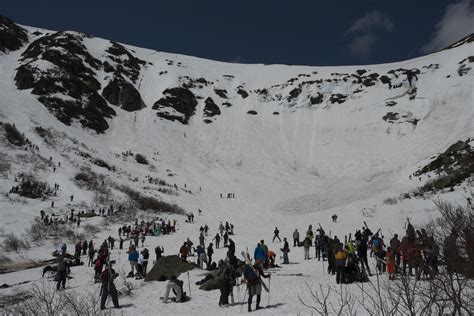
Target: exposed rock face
pixel 211 109
pixel 67 85
pixel 63 74
pixel 12 37
pixel 123 94
pixel 177 104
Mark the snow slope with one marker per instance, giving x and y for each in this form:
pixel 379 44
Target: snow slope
pixel 289 170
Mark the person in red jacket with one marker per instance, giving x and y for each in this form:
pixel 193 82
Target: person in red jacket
pixel 183 251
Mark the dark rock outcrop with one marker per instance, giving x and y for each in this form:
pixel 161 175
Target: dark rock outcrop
pixel 318 99
pixel 221 92
pixel 123 94
pixel 244 94
pixel 71 75
pixel 177 104
pixel 252 112
pixel 210 108
pixel 12 37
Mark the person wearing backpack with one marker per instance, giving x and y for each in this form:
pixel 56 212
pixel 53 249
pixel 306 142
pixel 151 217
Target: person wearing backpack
pixel 340 263
pixel 62 272
pixel 254 286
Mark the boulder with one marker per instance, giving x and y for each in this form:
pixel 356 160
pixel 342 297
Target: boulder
pixel 168 266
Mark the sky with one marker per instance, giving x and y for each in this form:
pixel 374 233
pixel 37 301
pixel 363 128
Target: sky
pixel 311 32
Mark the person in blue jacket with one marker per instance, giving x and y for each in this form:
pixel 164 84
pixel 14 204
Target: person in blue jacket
pixel 259 255
pixel 133 258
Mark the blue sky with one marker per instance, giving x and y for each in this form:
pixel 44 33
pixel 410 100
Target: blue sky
pixel 311 32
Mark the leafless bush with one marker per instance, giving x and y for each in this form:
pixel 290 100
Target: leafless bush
pixel 13 135
pixel 390 201
pixel 32 188
pixel 42 299
pixel 91 229
pixel 13 243
pixel 37 231
pixel 320 302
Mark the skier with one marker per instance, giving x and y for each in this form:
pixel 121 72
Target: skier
pixel 108 287
pixel 276 232
pixel 254 286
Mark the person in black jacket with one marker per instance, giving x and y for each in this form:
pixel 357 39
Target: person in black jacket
pixel 108 287
pixel 159 251
pixel 276 233
pixel 210 251
pixel 254 283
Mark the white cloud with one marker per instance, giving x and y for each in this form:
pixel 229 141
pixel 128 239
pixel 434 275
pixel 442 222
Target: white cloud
pixel 457 22
pixel 370 21
pixel 363 32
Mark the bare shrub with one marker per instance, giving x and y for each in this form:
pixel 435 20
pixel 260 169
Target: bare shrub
pixel 42 299
pixel 91 229
pixel 13 243
pixel 141 159
pixel 32 188
pixel 37 231
pixel 13 135
pixel 320 302
pixel 147 202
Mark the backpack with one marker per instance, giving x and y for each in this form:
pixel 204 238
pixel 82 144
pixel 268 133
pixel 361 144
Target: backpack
pixel 250 275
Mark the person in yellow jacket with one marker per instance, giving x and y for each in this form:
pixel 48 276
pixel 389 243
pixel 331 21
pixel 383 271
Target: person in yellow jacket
pixel 340 256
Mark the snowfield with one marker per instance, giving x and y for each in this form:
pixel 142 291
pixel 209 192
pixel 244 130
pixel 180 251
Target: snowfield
pixel 287 170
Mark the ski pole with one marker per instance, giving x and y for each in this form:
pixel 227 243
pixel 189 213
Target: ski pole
pixel 269 289
pixel 189 285
pixel 243 299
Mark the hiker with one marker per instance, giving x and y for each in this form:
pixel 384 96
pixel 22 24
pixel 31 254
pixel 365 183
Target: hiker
pixel 265 251
pixel 206 229
pixel 310 235
pixel 226 282
pixel 177 287
pixel 210 251
pixel 306 245
pixel 146 256
pixel 108 287
pixel 395 245
pixel 159 252
pixel 111 241
pixel 296 238
pixel 362 255
pixel 183 251
pixel 231 246
pixel 91 253
pixel 217 238
pixel 121 240
pixel 133 259
pixel 226 238
pixel 340 263
pixel 84 248
pixel 334 218
pixel 254 283
pixel 201 239
pixel 259 254
pixel 285 250
pixel 62 272
pixel 390 259
pixel 276 232
pixel 201 256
